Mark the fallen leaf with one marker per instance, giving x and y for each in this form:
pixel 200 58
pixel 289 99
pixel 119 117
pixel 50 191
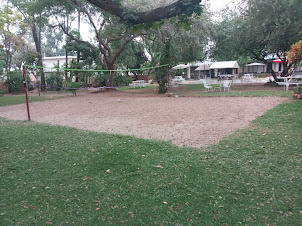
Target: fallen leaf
pixel 121 222
pixel 97 208
pixel 26 207
pixel 159 166
pixel 34 207
pixel 170 207
pixel 49 222
pixel 108 171
pixel 165 202
pixel 85 178
pixel 92 150
pixel 131 214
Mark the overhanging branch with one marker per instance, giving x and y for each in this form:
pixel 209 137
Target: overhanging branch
pixel 164 12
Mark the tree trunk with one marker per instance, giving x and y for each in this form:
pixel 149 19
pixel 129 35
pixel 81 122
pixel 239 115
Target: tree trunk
pixel 270 69
pixel 37 40
pixel 109 81
pixel 286 67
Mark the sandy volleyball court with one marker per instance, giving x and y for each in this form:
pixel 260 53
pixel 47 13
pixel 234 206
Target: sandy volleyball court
pixel 185 121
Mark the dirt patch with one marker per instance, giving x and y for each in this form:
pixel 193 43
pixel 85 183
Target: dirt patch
pixel 185 121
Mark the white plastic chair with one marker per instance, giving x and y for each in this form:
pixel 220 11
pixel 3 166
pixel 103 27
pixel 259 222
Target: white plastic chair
pixel 227 85
pixel 207 86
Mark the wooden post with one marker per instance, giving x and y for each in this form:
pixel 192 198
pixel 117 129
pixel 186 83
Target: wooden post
pixel 26 92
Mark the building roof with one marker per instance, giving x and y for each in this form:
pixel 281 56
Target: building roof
pixel 224 64
pixel 255 64
pixel 59 57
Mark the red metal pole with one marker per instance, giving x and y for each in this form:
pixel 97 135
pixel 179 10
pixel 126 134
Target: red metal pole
pixel 168 81
pixel 26 92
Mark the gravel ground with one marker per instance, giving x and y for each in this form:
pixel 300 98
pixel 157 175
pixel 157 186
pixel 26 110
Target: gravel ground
pixel 185 121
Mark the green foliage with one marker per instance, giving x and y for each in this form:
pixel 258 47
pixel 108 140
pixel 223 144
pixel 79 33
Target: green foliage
pixel 55 80
pixel 73 86
pixel 133 57
pixel 228 42
pixel 53 43
pixel 298 90
pixel 12 41
pixel 263 27
pixel 87 56
pixel 2 92
pixel 271 26
pixel 161 73
pixel 121 79
pixel 2 60
pixel 14 81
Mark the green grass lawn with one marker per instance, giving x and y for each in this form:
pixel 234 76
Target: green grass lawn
pixel 54 175
pixel 288 94
pixel 12 100
pixel 196 87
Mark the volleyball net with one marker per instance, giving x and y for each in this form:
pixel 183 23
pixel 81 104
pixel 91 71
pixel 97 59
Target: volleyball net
pixel 57 78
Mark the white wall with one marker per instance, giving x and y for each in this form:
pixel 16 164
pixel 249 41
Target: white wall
pixel 52 61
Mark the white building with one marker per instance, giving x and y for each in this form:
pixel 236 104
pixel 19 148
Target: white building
pixel 53 62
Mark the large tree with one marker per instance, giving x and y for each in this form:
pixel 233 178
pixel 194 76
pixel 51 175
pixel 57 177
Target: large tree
pixel 110 36
pixel 262 28
pixel 36 17
pixel 169 9
pixel 11 38
pixel 271 27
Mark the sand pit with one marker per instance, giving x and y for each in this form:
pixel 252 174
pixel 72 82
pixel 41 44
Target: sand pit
pixel 185 121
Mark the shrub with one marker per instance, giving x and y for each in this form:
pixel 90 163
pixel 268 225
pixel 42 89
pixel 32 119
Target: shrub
pixel 55 80
pixel 13 81
pixel 298 90
pixel 2 92
pixel 122 80
pixel 74 86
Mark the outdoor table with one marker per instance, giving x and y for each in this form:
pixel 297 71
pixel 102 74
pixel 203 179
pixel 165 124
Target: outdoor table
pixel 228 76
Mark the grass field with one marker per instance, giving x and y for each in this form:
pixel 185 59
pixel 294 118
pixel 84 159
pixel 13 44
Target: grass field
pixel 12 100
pixel 58 175
pixel 244 93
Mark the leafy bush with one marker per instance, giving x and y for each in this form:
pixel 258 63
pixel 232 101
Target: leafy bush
pixel 13 81
pixel 122 80
pixel 298 90
pixel 55 80
pixel 73 87
pixel 162 86
pixel 2 92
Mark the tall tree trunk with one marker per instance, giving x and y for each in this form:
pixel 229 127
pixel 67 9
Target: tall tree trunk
pixel 37 40
pixel 10 61
pixel 66 56
pixel 109 81
pixel 286 67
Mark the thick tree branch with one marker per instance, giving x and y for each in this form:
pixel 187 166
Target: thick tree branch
pixel 164 12
pixel 103 44
pixel 77 39
pixel 126 41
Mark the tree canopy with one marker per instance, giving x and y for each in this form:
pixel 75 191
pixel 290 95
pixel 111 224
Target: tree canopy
pixel 132 16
